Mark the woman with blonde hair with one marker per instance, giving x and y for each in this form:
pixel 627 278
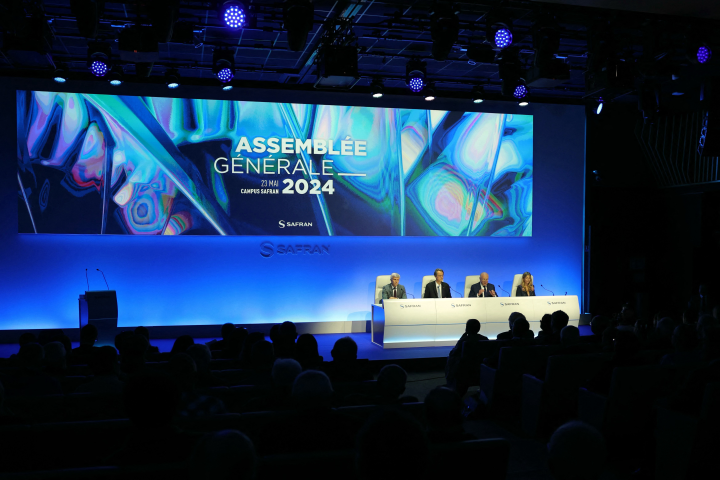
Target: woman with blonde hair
pixel 526 287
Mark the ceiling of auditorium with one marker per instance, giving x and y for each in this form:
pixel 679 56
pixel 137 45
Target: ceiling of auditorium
pixel 387 35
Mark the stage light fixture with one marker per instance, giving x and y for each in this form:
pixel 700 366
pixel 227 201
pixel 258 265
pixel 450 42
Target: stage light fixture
pixel 224 65
pixel 227 87
pixel 444 29
pixel 523 103
pixel 298 19
pixel 503 37
pixel 60 75
pixel 429 94
pixel 87 16
pixel 703 54
pixel 233 14
pixel 415 75
pixel 599 107
pixel 520 91
pixel 172 78
pixel 116 77
pixel 478 94
pixel 376 89
pixel 99 59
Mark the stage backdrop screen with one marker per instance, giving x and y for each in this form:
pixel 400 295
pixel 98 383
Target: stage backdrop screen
pixel 133 165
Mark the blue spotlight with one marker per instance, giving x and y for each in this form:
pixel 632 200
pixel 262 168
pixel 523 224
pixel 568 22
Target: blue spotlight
pixel 99 68
pixel 520 91
pixel 233 14
pixel 416 84
pixel 703 54
pixel 503 38
pixel 599 106
pixel 225 75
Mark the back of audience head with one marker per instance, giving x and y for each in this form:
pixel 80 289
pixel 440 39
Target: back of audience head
pixel 312 389
pixel 307 350
pixel 202 356
pixel 626 345
pixel 55 357
pixel 684 338
pixel 546 323
pixel 151 400
pixel 569 335
pixel 88 334
pixel 443 409
pixel 144 331
pixel 134 350
pixel 235 342
pixel 103 361
pixel 226 330
pixel 120 340
pixel 262 355
pixel 665 327
pixel 288 330
pixel 627 316
pixel 344 350
pixel 598 324
pixel 285 371
pixel 274 333
pixel 31 355
pixel 387 436
pixel 472 326
pixel 225 455
pixel 559 321
pixel 181 368
pixel 251 339
pixel 576 451
pixel 521 327
pixel 181 344
pixel 705 323
pixel 512 317
pixel 690 316
pixel 26 338
pixel 391 381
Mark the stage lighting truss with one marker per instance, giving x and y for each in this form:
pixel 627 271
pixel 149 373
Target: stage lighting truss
pixel 172 78
pixel 233 14
pixel 98 61
pixel 376 88
pixel 224 65
pixel 415 75
pixel 444 29
pixel 478 94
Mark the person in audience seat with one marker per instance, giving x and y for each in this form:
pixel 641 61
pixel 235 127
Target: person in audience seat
pixel 284 343
pixel 685 342
pixel 598 325
pixel 224 455
pixel 202 356
pixel 192 404
pixel 390 386
pixel 104 364
pixel 443 411
pixel 30 378
pixel 262 358
pixel 576 451
pixel 182 343
pixel 626 347
pixel 558 321
pixel 345 366
pixel 520 338
pixel 284 373
pixel 463 364
pixel 225 333
pixel 545 327
pixel 145 332
pixel 661 337
pixel 88 337
pixel 511 321
pixel 307 352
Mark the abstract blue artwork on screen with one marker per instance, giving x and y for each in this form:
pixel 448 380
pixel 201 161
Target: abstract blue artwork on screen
pixel 105 164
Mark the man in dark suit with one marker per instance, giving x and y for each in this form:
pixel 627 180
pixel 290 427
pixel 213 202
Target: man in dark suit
pixel 394 290
pixel 482 289
pixel 438 288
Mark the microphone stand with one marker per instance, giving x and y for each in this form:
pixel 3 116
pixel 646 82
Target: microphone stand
pixel 548 290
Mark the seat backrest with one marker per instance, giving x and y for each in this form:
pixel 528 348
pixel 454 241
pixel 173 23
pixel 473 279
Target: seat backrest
pixel 461 459
pixel 470 280
pixel 425 280
pixel 380 282
pixel 517 360
pixel 517 280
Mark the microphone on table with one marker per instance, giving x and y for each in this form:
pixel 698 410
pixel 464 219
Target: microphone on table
pixel 498 286
pixel 461 295
pixel 106 284
pixel 566 294
pixel 86 280
pixel 548 290
pixel 408 293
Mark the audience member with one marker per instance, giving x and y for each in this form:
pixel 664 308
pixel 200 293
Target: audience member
pixel 685 342
pixel 133 353
pixel 262 358
pixel 545 326
pixel 151 402
pixel 224 455
pixel 225 333
pixel 105 368
pixel 388 436
pixel 248 341
pixel 30 378
pixel 120 339
pixel 511 321
pixel 181 344
pixel 26 338
pixel 520 338
pixel 235 343
pixel 627 319
pixel 463 364
pixel 576 451
pixel 558 321
pixel 284 343
pixel 145 332
pixel 202 356
pixel 598 325
pixel 706 322
pixel 307 352
pixel 88 337
pixel 345 366
pixel 284 373
pixel 626 347
pixel 55 363
pixel 389 389
pixel 192 404
pixel 443 412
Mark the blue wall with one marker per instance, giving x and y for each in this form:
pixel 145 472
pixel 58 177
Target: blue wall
pixel 213 280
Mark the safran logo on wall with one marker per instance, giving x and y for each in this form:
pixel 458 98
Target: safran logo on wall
pixel 268 249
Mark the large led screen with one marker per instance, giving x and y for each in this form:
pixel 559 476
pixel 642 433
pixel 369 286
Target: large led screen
pixel 106 164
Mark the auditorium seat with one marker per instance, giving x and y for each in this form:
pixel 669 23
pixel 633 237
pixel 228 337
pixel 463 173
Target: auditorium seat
pixel 517 280
pixel 425 280
pixel 470 280
pixel 330 465
pixel 91 406
pixel 502 387
pixel 487 459
pixel 548 403
pixel 41 408
pixel 679 436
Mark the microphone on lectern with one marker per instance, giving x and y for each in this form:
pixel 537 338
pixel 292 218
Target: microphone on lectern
pixel 461 295
pixel 498 286
pixel 548 290
pixel 106 284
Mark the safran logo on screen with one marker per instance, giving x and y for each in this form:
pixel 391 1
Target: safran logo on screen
pixel 409 306
pixel 283 224
pixel 453 305
pixel 268 249
pixel 556 303
pixel 507 304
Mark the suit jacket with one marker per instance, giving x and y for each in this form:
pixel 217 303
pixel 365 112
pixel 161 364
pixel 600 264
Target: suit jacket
pixel 475 289
pixel 387 291
pixel 519 292
pixel 431 290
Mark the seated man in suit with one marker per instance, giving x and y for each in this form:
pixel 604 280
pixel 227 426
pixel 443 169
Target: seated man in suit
pixel 483 288
pixel 393 290
pixel 438 288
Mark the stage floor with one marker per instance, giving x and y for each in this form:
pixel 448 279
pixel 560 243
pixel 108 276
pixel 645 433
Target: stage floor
pixel 366 349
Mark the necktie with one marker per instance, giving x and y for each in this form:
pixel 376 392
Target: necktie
pixel 439 292
pixel 394 292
